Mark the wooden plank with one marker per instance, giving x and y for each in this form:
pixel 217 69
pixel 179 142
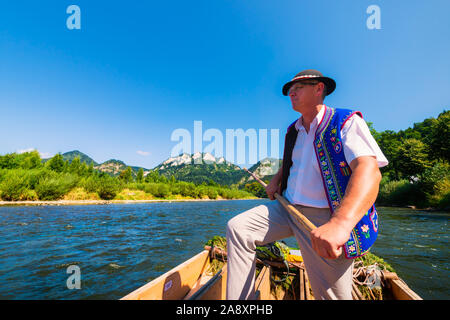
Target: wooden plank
pixel 174 284
pixel 262 284
pixel 302 284
pixel 218 290
pixel 401 291
pixel 200 284
pixel 307 293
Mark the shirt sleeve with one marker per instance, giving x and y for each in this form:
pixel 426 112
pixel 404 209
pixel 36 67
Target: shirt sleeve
pixel 358 141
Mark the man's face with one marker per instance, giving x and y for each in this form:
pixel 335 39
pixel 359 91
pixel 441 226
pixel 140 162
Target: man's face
pixel 304 94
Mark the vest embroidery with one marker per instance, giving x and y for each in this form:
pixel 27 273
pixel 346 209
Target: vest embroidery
pixel 336 174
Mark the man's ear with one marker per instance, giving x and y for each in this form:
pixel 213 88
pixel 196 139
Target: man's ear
pixel 320 89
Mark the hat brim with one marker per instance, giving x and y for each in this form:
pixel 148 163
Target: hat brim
pixel 330 83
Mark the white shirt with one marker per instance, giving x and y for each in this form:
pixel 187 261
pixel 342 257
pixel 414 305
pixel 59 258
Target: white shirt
pixel 305 184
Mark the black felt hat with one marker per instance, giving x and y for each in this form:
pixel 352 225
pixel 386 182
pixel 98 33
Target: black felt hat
pixel 311 75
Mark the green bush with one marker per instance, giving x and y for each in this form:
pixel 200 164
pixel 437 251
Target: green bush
pixel 53 188
pixel 202 191
pixel 256 189
pixel 3 173
pixel 30 160
pixel 14 185
pixel 29 195
pixel 435 183
pixel 187 189
pixel 212 193
pixel 207 190
pixel 151 188
pixel 9 161
pixel 35 175
pixel 57 163
pixel 135 186
pixel 229 193
pixel 90 184
pixel 222 192
pixel 400 192
pixel 25 160
pixel 107 188
pixel 175 188
pixel 162 190
pixel 444 202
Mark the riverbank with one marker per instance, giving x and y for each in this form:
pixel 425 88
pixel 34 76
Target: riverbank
pixel 414 208
pixel 99 202
pixel 132 201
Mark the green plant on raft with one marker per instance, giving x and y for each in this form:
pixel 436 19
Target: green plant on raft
pixel 371 262
pixel 218 242
pixel 370 259
pixel 216 264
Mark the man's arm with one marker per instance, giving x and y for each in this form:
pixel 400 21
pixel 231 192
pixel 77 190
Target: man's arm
pixel 361 193
pixel 275 184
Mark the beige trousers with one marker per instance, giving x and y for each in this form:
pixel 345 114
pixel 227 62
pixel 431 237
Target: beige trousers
pixel 330 279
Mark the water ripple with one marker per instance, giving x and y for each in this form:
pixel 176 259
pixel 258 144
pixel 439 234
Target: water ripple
pixel 121 247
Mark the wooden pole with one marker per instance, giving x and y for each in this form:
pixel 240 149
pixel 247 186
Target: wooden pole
pixel 288 206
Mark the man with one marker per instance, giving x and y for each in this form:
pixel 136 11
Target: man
pixel 330 173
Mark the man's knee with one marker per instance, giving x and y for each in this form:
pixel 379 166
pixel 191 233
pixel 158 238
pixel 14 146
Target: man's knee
pixel 243 220
pixel 233 225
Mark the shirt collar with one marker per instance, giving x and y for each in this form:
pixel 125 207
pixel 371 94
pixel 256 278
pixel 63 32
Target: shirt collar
pixel 314 123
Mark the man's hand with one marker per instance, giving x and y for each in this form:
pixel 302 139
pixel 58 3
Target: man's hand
pixel 361 193
pixel 274 185
pixel 272 188
pixel 329 239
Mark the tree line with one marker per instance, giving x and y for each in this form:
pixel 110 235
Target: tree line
pixel 25 176
pixel 418 171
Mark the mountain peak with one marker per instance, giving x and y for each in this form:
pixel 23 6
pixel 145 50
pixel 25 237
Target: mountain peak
pixel 70 155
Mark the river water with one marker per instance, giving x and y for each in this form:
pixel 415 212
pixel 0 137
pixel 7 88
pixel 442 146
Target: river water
pixel 120 247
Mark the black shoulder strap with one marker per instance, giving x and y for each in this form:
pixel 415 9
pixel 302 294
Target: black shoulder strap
pixel 289 143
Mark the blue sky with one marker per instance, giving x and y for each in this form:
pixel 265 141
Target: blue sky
pixel 136 70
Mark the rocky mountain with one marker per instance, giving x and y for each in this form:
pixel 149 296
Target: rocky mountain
pixel 112 167
pixel 201 167
pixel 196 158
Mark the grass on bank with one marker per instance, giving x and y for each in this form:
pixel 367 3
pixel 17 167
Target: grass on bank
pixel 33 185
pixel 431 189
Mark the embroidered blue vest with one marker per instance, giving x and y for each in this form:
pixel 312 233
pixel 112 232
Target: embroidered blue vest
pixel 336 174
